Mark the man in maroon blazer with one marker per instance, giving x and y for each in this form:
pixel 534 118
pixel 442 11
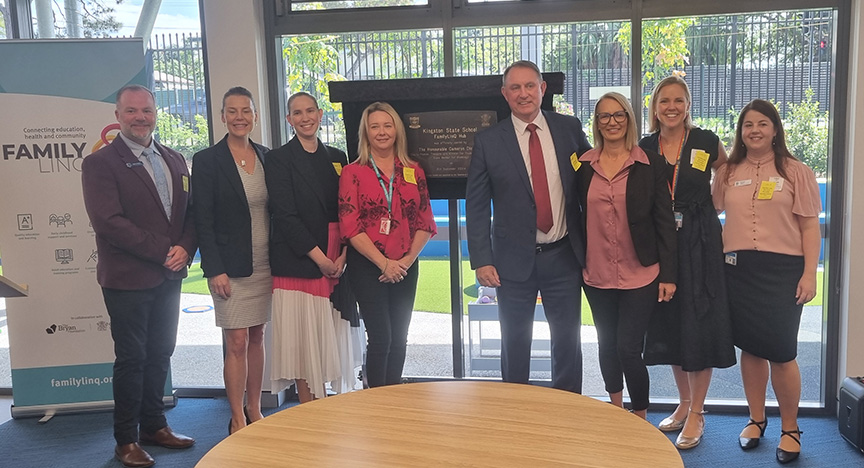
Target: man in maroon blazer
pixel 136 192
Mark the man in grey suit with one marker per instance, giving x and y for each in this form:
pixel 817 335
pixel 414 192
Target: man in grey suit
pixel 136 192
pixel 525 165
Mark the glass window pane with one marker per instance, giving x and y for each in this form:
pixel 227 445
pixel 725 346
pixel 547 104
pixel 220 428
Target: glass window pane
pixel 5 32
pixel 728 61
pixel 317 5
pixel 314 60
pixel 594 58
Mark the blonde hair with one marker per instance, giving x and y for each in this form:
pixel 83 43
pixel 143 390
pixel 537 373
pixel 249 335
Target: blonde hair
pixel 631 138
pixel 364 153
pixel 653 121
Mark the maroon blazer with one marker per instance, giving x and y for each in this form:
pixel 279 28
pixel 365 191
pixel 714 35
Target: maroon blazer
pixel 133 235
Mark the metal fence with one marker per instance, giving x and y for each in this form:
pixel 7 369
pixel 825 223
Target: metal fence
pixel 731 60
pixel 177 62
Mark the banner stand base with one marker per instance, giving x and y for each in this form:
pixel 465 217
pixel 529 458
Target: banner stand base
pixel 46 412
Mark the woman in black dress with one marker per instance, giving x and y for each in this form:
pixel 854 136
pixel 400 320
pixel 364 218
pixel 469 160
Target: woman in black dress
pixel 692 331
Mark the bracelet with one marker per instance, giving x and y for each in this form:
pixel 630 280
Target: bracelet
pixel 386 262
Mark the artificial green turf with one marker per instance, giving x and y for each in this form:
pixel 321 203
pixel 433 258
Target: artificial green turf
pixel 434 285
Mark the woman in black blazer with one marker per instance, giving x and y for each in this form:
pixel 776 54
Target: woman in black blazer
pixel 312 308
pixel 230 209
pixel 631 259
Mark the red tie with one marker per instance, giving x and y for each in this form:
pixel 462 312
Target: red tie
pixel 541 185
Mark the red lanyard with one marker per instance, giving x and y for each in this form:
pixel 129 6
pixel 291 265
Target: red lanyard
pixel 674 184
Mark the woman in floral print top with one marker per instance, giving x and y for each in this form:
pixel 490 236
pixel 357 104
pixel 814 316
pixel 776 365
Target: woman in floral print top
pixel 385 216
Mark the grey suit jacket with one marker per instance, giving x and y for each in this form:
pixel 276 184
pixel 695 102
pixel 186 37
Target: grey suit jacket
pixel 497 174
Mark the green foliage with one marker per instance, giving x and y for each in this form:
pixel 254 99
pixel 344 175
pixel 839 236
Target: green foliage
pixel 3 13
pixel 807 133
pixel 185 138
pixel 664 45
pixel 719 126
pixel 98 18
pixel 184 61
pixel 310 63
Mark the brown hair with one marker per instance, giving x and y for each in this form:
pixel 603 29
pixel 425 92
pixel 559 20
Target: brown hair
pixel 739 150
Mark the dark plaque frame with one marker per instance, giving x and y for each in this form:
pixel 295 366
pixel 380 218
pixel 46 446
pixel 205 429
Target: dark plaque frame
pixel 426 95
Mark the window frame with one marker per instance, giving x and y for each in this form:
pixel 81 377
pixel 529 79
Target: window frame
pixel 451 14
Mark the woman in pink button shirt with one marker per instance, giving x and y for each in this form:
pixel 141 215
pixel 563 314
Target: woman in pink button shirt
pixel 771 242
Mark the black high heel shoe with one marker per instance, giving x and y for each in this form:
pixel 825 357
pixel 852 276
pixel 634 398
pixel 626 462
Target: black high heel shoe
pixel 784 456
pixel 230 421
pixel 748 443
pixel 246 414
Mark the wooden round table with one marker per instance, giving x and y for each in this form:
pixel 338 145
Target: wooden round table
pixel 449 424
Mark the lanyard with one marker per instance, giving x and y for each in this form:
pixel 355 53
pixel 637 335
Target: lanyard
pixel 387 194
pixel 674 186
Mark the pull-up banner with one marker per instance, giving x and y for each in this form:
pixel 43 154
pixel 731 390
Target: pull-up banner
pixel 57 100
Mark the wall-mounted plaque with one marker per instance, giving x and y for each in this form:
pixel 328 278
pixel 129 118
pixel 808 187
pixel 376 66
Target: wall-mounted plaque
pixel 442 141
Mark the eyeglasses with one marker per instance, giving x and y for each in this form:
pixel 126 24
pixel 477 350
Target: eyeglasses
pixel 620 117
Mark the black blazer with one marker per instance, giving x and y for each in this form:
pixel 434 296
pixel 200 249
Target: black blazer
pixel 299 219
pixel 649 212
pixel 221 211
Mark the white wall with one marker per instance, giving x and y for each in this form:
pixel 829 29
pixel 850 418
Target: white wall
pixel 852 316
pixel 236 57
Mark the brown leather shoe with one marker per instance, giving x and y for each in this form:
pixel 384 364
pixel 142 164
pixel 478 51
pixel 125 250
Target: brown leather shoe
pixel 133 456
pixel 167 438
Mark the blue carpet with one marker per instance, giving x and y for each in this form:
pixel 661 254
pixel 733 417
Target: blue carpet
pixel 85 440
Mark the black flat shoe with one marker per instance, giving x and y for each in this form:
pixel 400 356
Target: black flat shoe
pixel 246 413
pixel 748 443
pixel 784 456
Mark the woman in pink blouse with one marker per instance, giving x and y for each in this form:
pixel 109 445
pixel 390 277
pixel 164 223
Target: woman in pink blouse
pixel 771 242
pixel 385 215
pixel 631 259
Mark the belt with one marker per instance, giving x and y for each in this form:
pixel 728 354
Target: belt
pixel 540 248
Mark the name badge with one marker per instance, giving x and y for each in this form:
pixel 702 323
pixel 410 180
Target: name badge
pixel 778 181
pixel 699 159
pixel 766 190
pixel 742 183
pixel 408 175
pixel 185 180
pixel 679 219
pixel 732 258
pixel 575 162
pixel 338 167
pixel 385 227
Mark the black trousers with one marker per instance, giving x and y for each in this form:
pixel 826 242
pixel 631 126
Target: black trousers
pixel 557 276
pixel 144 328
pixel 621 317
pixel 386 312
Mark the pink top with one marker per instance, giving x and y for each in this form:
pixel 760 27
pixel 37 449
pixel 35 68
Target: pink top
pixel 610 260
pixel 362 205
pixel 765 222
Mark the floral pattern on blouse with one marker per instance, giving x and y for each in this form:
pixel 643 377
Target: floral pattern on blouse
pixel 362 206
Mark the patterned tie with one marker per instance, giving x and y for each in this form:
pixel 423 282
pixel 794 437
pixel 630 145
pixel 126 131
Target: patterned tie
pixel 538 177
pixel 159 178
